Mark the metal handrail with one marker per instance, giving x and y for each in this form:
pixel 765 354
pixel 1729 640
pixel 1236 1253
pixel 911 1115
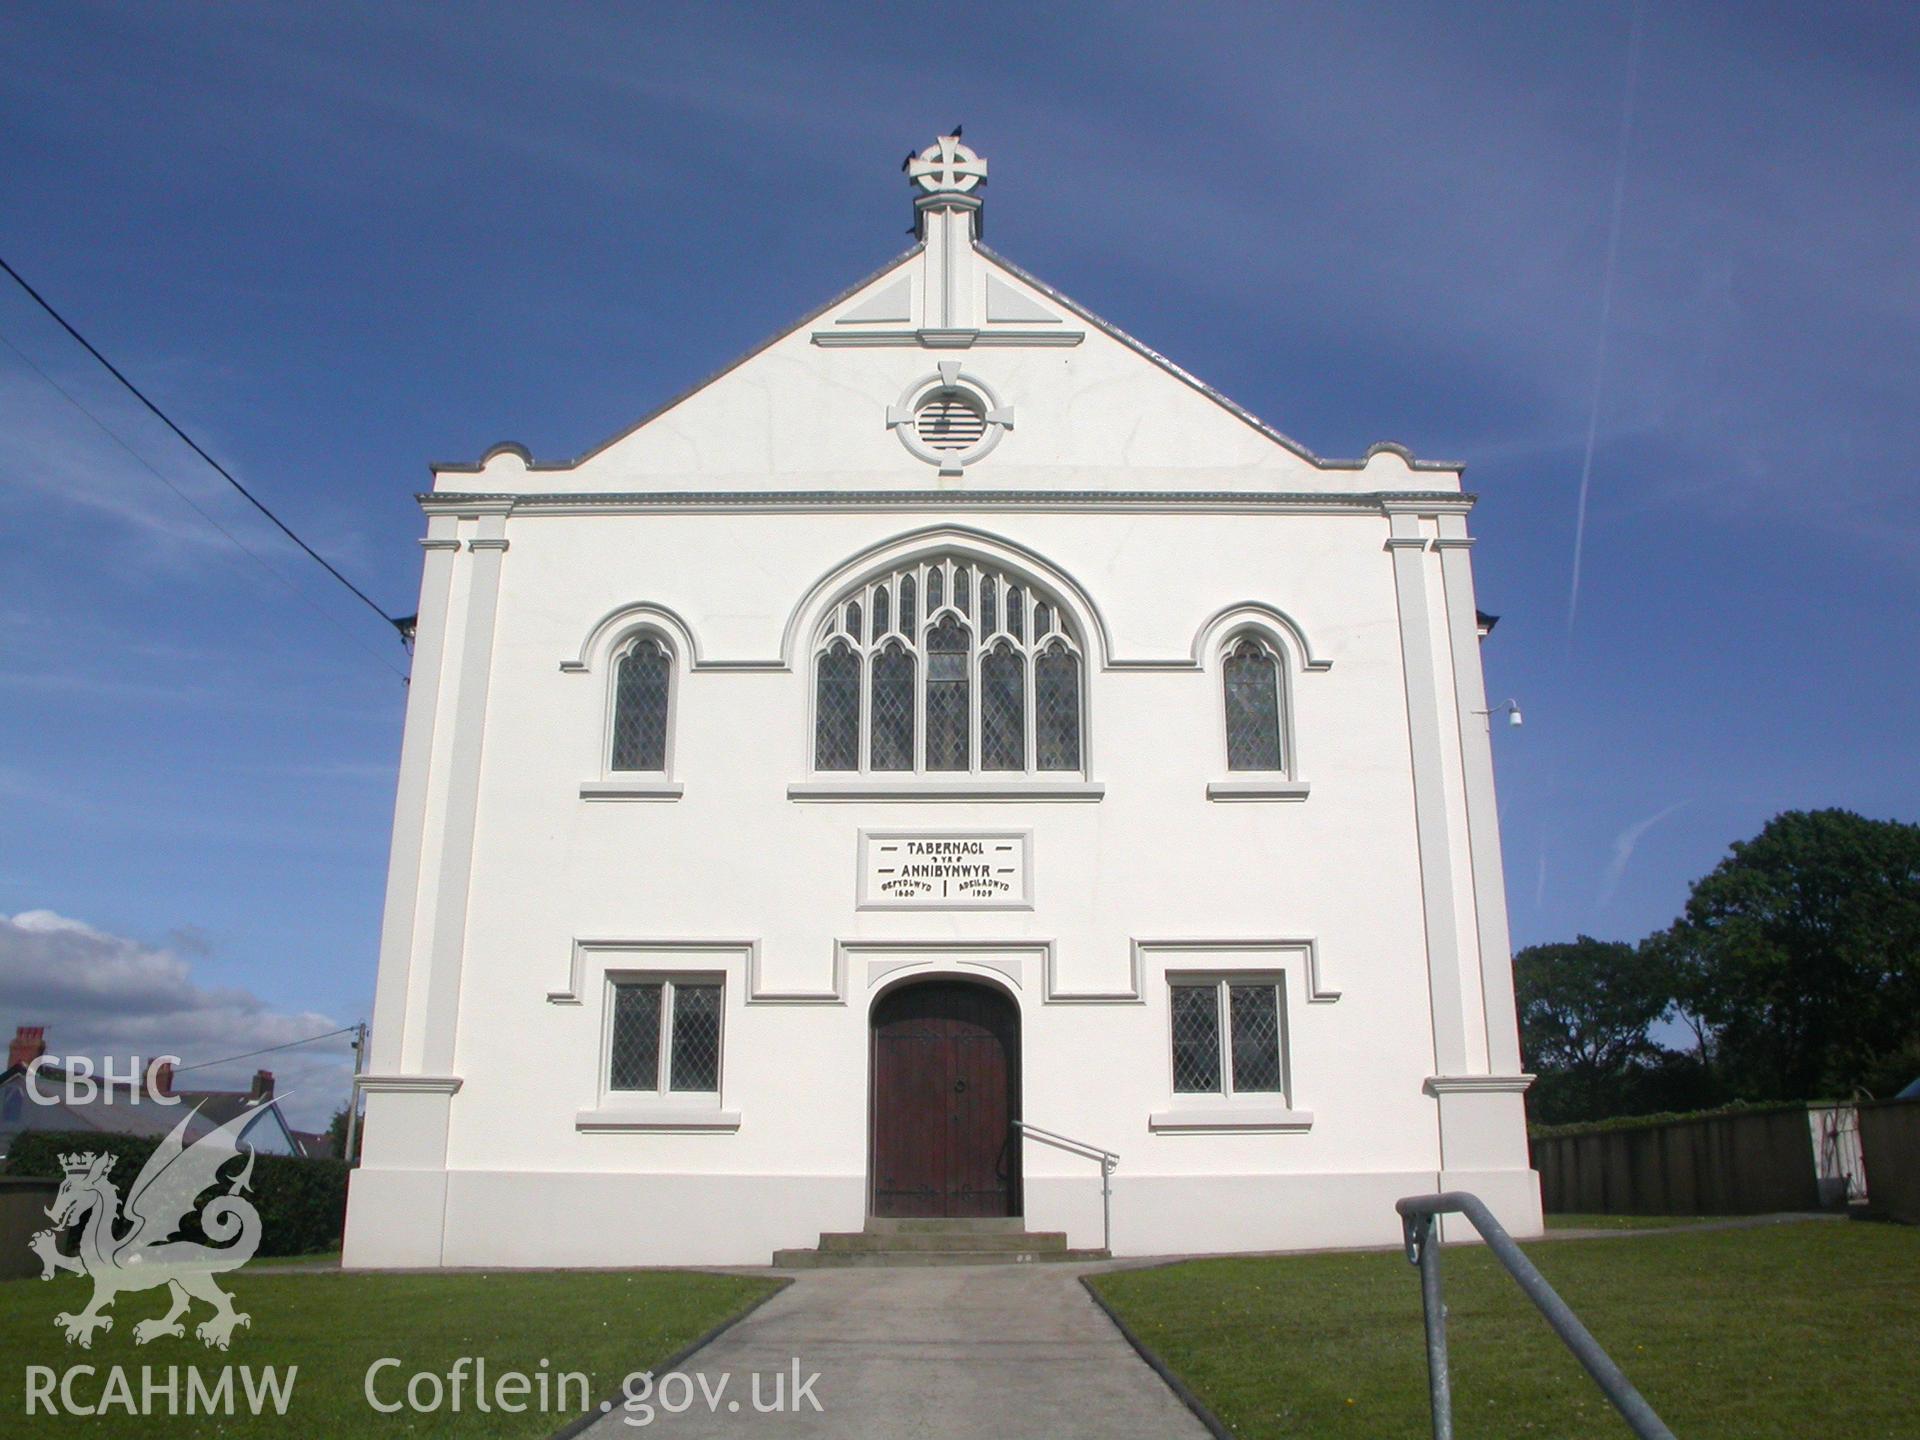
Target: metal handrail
pixel 1108 1162
pixel 1417 1214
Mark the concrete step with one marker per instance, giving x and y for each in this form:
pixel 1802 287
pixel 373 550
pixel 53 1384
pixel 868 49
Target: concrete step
pixel 866 1241
pixel 831 1259
pixel 929 1225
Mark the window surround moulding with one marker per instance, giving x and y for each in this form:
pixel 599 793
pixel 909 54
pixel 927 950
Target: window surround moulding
pixel 1230 1119
pixel 645 785
pixel 1250 788
pixel 660 1119
pixel 929 789
pixel 887 959
pixel 747 952
pixel 1299 948
pixel 664 1108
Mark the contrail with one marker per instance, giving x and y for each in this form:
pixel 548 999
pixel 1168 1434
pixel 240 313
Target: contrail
pixel 1606 303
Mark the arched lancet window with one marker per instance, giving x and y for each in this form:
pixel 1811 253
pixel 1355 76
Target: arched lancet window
pixel 1251 677
pixel 836 731
pixel 961 668
pixel 642 693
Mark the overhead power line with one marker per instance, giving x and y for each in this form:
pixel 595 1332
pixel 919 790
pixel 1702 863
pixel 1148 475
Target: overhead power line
pixel 403 626
pixel 207 1064
pixel 107 430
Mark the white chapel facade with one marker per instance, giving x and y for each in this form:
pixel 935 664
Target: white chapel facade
pixel 952 720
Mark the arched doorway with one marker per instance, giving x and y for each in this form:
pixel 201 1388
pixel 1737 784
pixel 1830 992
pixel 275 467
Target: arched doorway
pixel 946 1089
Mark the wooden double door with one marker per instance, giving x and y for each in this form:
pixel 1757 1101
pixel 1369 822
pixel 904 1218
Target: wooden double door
pixel 946 1089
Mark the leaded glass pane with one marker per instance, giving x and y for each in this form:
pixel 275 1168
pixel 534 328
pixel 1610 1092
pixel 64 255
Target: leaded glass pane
pixel 640 708
pixel 695 1062
pixel 1196 1039
pixel 836 719
pixel 906 603
pixel 989 607
pixel 1003 711
pixel 892 709
pixel 962 591
pixel 1056 709
pixel 947 702
pixel 879 611
pixel 1042 620
pixel 936 588
pixel 634 1063
pixel 853 622
pixel 1254 1016
pixel 1253 709
pixel 1016 613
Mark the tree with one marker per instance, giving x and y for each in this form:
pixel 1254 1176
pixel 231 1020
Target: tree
pixel 337 1134
pixel 1797 961
pixel 1585 1012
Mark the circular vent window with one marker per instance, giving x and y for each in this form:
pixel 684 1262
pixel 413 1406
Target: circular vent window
pixel 949 418
pixel 950 421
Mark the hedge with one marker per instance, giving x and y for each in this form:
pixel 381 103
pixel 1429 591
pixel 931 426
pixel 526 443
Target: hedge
pixel 302 1203
pixel 1670 1117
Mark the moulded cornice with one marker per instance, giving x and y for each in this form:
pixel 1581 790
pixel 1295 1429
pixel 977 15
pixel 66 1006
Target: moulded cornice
pixel 1414 503
pixel 409 1084
pixel 1477 1084
pixel 639 502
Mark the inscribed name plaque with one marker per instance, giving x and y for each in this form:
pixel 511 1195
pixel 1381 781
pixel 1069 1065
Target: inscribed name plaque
pixel 946 870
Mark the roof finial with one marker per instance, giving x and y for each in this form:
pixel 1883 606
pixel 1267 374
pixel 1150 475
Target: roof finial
pixel 945 176
pixel 947 167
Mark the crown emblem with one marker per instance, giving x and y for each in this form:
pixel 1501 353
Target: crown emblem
pixel 80 1163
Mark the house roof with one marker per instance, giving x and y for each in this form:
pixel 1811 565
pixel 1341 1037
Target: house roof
pixel 147 1118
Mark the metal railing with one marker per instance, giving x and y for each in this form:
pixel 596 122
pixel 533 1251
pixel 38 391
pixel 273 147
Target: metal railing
pixel 1417 1214
pixel 1107 1161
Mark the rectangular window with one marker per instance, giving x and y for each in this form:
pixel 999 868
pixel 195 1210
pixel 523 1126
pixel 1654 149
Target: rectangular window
pixel 1228 1037
pixel 665 1037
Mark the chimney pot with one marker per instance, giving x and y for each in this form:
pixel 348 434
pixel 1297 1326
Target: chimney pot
pixel 29 1044
pixel 262 1085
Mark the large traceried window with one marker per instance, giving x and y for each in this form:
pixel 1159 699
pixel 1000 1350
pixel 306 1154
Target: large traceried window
pixel 642 686
pixel 948 666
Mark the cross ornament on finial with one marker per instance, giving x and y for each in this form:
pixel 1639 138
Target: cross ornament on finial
pixel 947 166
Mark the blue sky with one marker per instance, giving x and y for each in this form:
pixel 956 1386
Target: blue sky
pixel 338 242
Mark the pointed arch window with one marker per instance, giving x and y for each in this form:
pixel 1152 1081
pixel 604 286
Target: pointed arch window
pixel 957 668
pixel 642 697
pixel 1252 679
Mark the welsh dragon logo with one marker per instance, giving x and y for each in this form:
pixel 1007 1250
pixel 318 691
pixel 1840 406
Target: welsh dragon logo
pixel 135 1247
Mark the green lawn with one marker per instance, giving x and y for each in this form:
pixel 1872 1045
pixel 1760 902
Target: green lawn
pixel 1624 1222
pixel 1782 1331
pixel 333 1326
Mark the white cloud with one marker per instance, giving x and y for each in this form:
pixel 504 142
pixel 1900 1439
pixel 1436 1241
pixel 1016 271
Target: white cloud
pixel 106 996
pixel 1624 844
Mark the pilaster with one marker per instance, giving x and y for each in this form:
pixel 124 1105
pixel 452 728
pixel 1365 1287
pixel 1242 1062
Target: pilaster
pixel 398 922
pixel 467 702
pixel 1483 823
pixel 1407 543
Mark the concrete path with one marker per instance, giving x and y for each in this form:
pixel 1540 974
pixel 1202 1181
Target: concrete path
pixel 1001 1352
